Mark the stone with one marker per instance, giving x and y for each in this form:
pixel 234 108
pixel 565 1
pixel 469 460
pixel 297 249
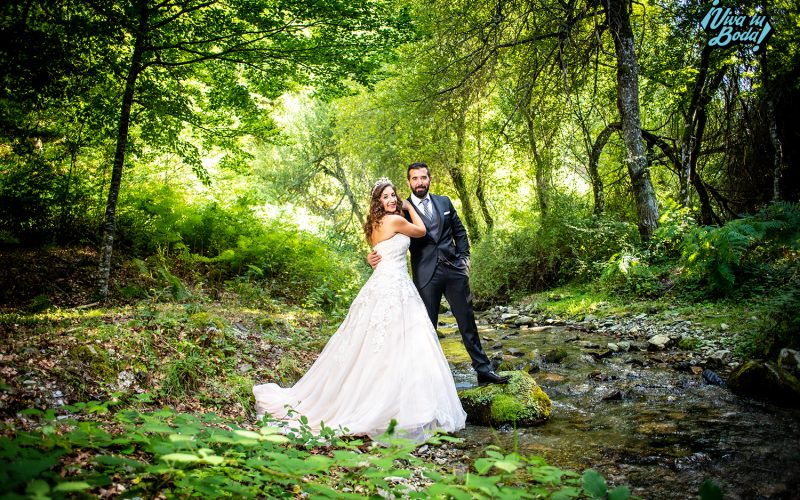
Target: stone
pixel 658 342
pixel 523 321
pixel 721 356
pixel 789 360
pixel 515 352
pixel 506 317
pixel 624 345
pixel 520 402
pixel 766 381
pixel 613 347
pixel 556 355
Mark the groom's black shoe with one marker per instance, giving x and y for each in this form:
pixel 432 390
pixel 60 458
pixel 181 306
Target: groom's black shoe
pixel 491 377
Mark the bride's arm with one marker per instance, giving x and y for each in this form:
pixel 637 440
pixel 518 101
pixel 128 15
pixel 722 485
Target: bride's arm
pixel 398 224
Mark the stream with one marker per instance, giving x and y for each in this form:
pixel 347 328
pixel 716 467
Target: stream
pixel 635 419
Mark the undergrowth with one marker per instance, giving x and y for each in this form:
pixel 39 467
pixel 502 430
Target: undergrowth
pixel 165 453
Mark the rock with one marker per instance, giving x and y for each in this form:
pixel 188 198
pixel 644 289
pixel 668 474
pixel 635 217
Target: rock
pixel 721 356
pixel 507 317
pixel 624 345
pixel 589 318
pixel 767 381
pixel 520 402
pixel 515 352
pixel 658 342
pixel 724 327
pixel 125 380
pixel 557 355
pixel 789 360
pixel 523 321
pixel 613 396
pixel 613 347
pixel 601 353
pixel 587 345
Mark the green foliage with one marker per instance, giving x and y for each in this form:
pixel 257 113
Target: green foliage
pixel 709 490
pixel 711 256
pixel 542 254
pixel 631 275
pixel 756 246
pixel 164 453
pixel 778 327
pixel 232 243
pixel 674 224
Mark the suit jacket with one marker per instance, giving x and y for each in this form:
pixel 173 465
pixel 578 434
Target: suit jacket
pixel 450 247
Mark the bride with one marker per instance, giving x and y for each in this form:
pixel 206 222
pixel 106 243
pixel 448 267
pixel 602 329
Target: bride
pixel 384 362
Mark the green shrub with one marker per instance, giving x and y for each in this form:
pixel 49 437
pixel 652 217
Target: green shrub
pixel 219 244
pixel 541 254
pixel 630 274
pixel 715 259
pixel 778 328
pixel 181 455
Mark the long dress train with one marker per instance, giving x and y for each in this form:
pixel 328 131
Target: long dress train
pixel 383 363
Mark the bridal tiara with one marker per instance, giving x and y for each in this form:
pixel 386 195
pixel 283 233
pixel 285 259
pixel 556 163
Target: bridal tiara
pixel 382 180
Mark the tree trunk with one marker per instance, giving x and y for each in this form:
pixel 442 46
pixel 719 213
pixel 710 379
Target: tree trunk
pixel 594 173
pixel 481 195
pixel 459 182
pixel 480 192
pixel 777 159
pixel 340 175
pixel 628 104
pixel 119 154
pixel 542 166
pixel 693 130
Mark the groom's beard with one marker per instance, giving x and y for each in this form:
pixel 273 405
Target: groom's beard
pixel 421 192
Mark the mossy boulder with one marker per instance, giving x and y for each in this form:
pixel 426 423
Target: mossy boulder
pixel 767 381
pixel 521 402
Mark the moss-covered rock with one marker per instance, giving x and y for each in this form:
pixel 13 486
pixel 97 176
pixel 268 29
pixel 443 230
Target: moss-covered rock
pixel 521 402
pixel 767 381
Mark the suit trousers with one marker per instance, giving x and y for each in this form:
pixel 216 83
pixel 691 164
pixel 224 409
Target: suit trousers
pixel 453 283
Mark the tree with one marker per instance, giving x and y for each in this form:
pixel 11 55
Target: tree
pixel 178 57
pixel 619 23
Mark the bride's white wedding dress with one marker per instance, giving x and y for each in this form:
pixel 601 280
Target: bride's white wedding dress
pixel 383 363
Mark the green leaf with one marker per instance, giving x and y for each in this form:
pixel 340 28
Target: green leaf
pixel 180 438
pixel 594 484
pixel 506 465
pixel 567 493
pixel 709 490
pixel 184 458
pixel 213 460
pixel 247 434
pixel 37 488
pixel 72 486
pixel 439 490
pixel 275 438
pixel 619 493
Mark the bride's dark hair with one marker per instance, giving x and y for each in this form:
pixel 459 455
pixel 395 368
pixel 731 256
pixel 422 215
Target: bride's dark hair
pixel 376 211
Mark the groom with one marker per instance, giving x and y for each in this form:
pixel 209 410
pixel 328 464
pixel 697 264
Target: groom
pixel 440 266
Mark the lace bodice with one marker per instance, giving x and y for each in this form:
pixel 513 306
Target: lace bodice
pixel 393 254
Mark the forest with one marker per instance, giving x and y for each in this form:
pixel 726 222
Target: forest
pixel 183 189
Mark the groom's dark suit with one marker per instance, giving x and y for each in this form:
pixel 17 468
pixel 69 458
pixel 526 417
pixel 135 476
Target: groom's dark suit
pixel 440 266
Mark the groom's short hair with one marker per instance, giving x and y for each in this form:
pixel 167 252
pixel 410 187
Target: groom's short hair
pixel 415 166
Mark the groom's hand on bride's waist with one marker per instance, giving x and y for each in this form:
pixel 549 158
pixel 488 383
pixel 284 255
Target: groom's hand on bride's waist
pixel 373 258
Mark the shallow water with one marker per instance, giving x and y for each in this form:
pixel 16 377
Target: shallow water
pixel 640 422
